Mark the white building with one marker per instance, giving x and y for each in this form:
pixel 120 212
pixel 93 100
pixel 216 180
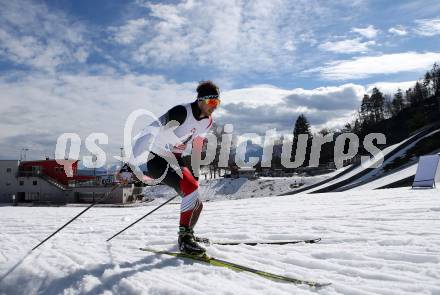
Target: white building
pixel 8 180
pixel 40 189
pixel 36 186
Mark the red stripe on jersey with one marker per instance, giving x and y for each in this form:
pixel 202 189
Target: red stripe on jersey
pixel 188 183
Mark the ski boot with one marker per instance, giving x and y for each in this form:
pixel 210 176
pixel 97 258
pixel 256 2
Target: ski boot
pixel 202 240
pixel 188 244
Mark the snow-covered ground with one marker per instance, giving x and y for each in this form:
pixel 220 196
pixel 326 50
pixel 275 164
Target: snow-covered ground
pixel 373 242
pixel 241 188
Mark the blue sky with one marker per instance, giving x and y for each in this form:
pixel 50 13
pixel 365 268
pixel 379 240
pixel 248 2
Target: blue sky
pixel 83 66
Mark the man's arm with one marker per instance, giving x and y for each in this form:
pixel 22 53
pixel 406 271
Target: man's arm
pixel 144 141
pixel 177 113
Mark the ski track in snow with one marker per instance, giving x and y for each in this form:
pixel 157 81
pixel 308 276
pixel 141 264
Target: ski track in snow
pixel 373 242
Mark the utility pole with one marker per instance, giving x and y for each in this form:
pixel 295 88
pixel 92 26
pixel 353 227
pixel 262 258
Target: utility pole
pixel 122 156
pixel 94 159
pixel 23 154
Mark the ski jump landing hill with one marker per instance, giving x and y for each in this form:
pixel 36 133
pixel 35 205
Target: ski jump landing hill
pixel 360 177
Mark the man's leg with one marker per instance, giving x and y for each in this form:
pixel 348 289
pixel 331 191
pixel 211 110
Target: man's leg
pixel 191 206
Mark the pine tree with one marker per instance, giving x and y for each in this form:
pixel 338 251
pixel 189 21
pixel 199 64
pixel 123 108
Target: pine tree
pixel 327 149
pixel 435 79
pixel 409 94
pixel 427 83
pixel 388 107
pixel 421 91
pixel 378 105
pixel 416 95
pixel 366 111
pixel 357 127
pixel 397 103
pixel 302 126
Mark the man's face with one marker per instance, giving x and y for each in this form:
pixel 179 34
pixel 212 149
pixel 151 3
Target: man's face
pixel 207 108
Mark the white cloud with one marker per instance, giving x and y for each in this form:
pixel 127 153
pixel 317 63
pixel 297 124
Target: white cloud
pixel 45 106
pixel 391 88
pixel 369 32
pixel 36 110
pixel 289 45
pixel 230 36
pixel 344 97
pixel 399 30
pixel 222 34
pixel 428 27
pixel 129 32
pixel 416 8
pixel 261 95
pixel 32 35
pixel 81 55
pixel 367 66
pixel 347 46
pixel 259 108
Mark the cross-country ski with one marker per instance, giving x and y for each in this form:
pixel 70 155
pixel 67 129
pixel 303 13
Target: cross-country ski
pixel 213 242
pixel 246 147
pixel 237 267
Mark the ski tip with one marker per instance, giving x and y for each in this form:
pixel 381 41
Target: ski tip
pixel 314 241
pixel 321 285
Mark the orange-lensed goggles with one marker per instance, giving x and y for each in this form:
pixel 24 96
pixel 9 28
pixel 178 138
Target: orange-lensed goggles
pixel 212 102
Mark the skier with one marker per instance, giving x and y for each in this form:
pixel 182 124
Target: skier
pixel 194 121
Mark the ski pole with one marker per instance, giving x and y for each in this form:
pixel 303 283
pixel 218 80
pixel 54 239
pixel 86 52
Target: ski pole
pixel 78 215
pixel 161 205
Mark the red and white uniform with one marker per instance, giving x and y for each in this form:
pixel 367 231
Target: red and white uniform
pixel 191 130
